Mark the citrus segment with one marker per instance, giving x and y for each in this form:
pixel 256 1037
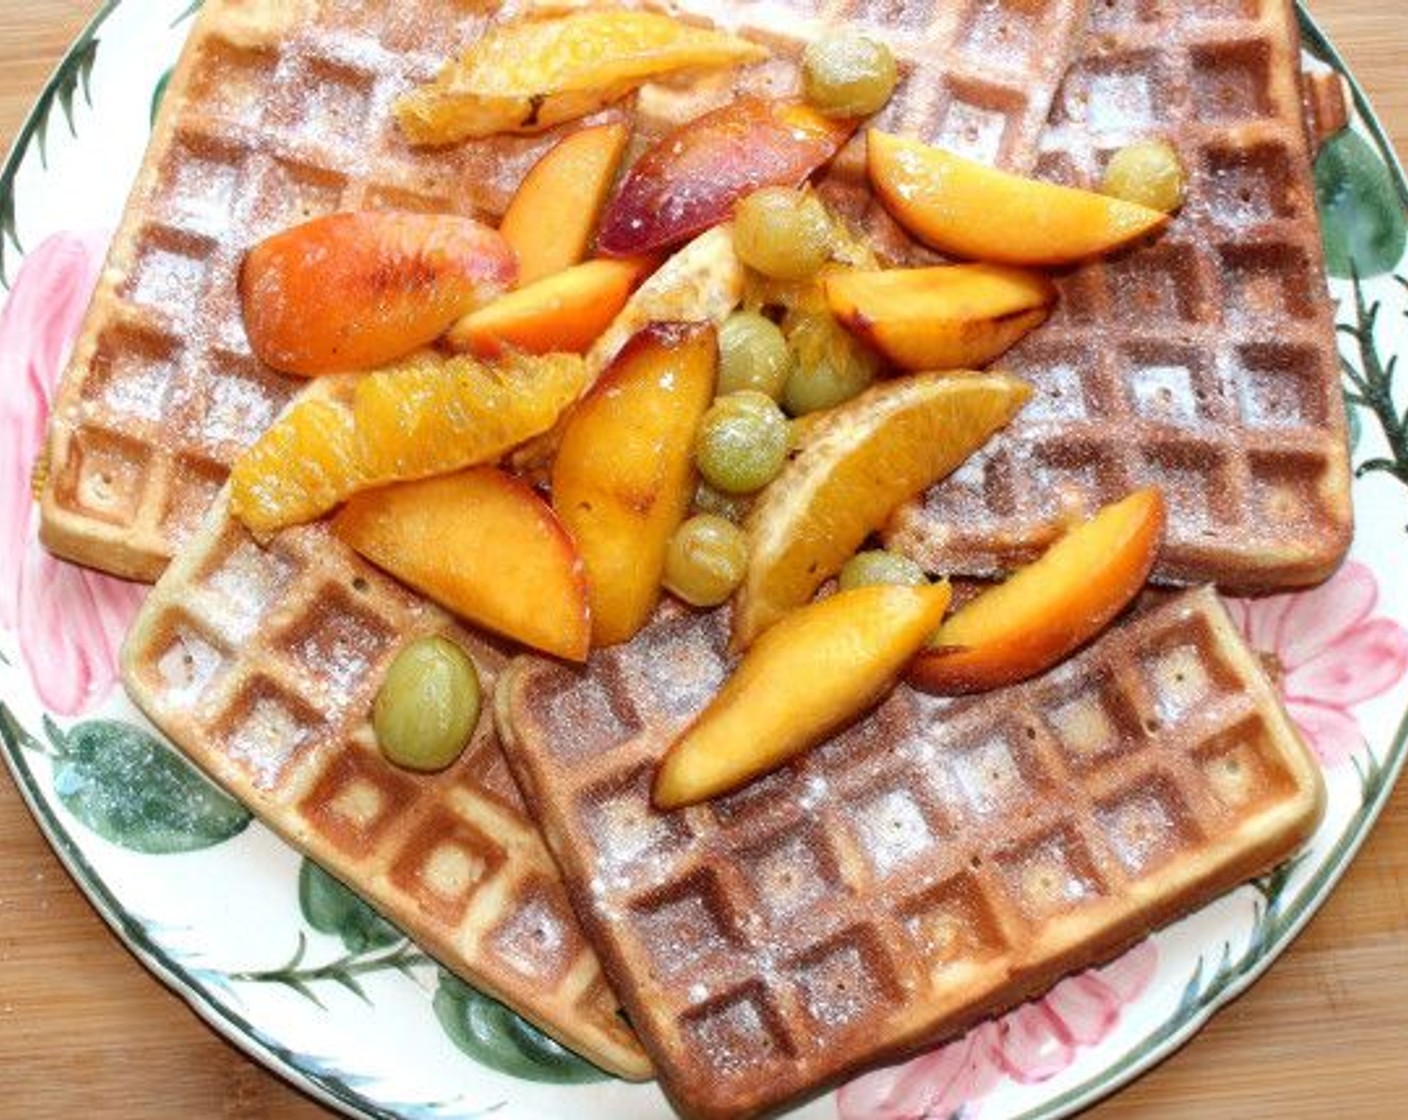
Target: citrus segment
pixel 857 465
pixel 535 73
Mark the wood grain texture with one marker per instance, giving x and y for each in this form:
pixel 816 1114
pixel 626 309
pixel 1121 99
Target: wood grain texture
pixel 84 1030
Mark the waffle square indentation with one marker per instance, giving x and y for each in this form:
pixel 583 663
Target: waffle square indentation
pixel 1287 493
pixel 242 399
pixel 1158 286
pixel 1242 769
pixel 540 937
pixel 1244 186
pixel 232 82
pixel 685 925
pixel 104 475
pixel 844 980
pixel 954 921
pixel 1004 34
pixel 976 119
pixel 791 870
pixel 1094 723
pixel 580 718
pixel 692 674
pixel 267 731
pixel 169 274
pixel 995 773
pixel 1169 384
pixel 133 374
pixel 1058 374
pixel 356 799
pixel 333 102
pixel 1281 387
pixel 624 826
pixel 246 581
pixel 202 180
pixel 737 1032
pixel 1193 478
pixel 293 193
pixel 1051 875
pixel 195 485
pixel 1232 82
pixel 1147 825
pixel 339 642
pixel 189 663
pixel 443 864
pixel 1184 672
pixel 891 824
pixel 1268 282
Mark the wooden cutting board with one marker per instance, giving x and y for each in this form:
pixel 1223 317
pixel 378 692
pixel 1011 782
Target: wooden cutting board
pixel 85 1031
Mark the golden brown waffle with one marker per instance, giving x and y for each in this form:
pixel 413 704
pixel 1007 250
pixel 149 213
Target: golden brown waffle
pixel 1205 363
pixel 280 111
pixel 933 865
pixel 262 666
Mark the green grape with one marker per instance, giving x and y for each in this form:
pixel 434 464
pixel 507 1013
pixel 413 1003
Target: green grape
pixel 1148 173
pixel 876 566
pixel 783 233
pixel 732 507
pixel 830 366
pixel 428 705
pixel 752 355
pixel 848 76
pixel 743 442
pixel 706 560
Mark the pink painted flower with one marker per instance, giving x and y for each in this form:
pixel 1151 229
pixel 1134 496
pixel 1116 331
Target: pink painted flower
pixel 1327 654
pixel 70 622
pixel 1031 1044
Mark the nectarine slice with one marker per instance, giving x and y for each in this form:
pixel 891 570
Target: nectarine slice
pixel 950 317
pixel 624 474
pixel 858 463
pixel 966 209
pixel 482 544
pixel 810 674
pixel 692 177
pixel 543 69
pixel 554 213
pixel 1051 607
pixel 564 312
pixel 349 292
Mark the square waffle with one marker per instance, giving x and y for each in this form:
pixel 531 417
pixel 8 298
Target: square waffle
pixel 1205 363
pixel 934 864
pixel 280 111
pixel 262 665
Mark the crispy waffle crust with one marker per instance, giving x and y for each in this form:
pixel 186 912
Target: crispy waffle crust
pixel 262 665
pixel 280 111
pixel 935 864
pixel 1205 363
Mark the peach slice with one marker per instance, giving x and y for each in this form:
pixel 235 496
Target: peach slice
pixel 349 292
pixel 482 544
pixel 950 317
pixel 1050 607
pixel 540 70
pixel 807 676
pixel 624 474
pixel 564 312
pixel 692 177
pixel 554 213
pixel 967 209
pixel 858 464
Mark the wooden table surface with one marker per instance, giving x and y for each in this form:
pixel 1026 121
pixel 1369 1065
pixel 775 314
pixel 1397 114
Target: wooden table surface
pixel 84 1030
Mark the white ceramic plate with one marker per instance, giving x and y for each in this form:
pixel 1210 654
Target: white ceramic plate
pixel 304 977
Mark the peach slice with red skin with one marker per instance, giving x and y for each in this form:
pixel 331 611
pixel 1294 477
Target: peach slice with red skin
pixel 1049 608
pixel 969 210
pixel 564 312
pixel 624 474
pixel 482 544
pixel 813 672
pixel 692 178
pixel 555 210
pixel 352 291
pixel 949 317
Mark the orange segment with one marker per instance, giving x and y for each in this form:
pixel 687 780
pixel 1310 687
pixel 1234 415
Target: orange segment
pixel 534 73
pixel 439 414
pixel 857 465
pixel 554 213
pixel 428 416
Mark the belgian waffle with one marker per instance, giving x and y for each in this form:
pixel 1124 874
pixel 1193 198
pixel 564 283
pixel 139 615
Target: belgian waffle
pixel 262 665
pixel 280 111
pixel 1205 363
pixel 935 864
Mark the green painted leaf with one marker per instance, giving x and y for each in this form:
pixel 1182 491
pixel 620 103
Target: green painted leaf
pixel 159 93
pixel 135 792
pixel 1356 425
pixel 494 1036
pixel 1364 225
pixel 330 907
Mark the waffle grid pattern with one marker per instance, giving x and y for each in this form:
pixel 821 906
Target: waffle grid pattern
pixel 273 119
pixel 934 864
pixel 1205 363
pixel 263 664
